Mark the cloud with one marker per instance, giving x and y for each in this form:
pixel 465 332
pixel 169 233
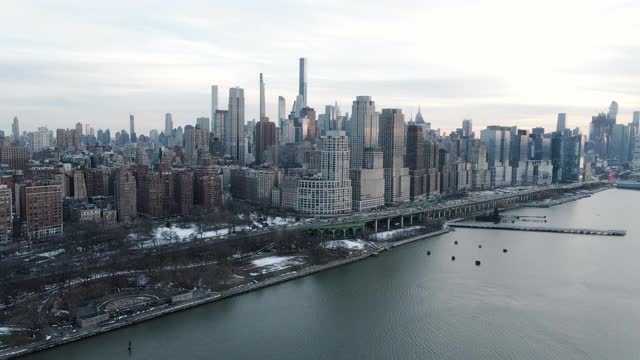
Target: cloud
pixel 492 60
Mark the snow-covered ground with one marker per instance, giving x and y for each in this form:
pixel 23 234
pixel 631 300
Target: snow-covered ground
pixel 6 330
pixel 389 235
pixel 261 221
pixel 51 254
pixel 164 235
pixel 344 244
pixel 275 263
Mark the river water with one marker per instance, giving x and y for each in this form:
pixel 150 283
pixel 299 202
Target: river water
pixel 552 296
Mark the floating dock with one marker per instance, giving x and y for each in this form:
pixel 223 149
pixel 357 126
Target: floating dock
pixel 539 229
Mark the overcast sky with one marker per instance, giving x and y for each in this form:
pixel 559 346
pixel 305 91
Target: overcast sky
pixel 497 62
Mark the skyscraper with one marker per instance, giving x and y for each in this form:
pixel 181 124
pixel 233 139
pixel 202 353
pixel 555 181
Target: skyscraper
pixel 15 129
pixel 235 125
pixel 302 84
pixel 6 226
pixel 364 129
pixel 281 110
pixel 498 143
pixel 367 172
pixel 168 124
pixel 132 128
pixel 262 106
pixel 636 118
pixel 41 206
pixel 612 115
pixel 467 128
pixel 562 122
pixel 396 176
pixel 203 123
pixel 330 194
pixel 214 108
pixel 265 138
pixel 125 195
pixel 219 125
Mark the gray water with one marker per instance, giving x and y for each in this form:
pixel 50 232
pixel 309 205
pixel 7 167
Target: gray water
pixel 552 296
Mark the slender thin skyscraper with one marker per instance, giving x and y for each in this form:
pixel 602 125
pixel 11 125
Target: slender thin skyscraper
pixel 168 124
pixel 132 129
pixel 132 124
pixel 214 107
pixel 302 86
pixel 15 129
pixel 235 125
pixel 262 107
pixel 281 110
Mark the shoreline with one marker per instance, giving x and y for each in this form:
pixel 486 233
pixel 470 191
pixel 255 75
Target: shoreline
pixel 48 344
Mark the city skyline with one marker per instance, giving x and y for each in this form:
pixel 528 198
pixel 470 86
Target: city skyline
pixel 479 71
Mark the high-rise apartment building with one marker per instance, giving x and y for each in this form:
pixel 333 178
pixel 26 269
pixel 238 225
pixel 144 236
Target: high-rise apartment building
pixel 214 108
pixel 329 193
pixel 281 110
pixel 562 122
pixel 41 210
pixel 218 130
pixel 15 129
pixel 367 176
pixel 234 128
pixel 40 139
pixel 125 195
pixel 263 112
pixel 467 128
pixel 132 129
pixel 12 155
pixel 196 140
pixel 265 139
pixel 6 220
pixel 203 123
pixel 396 176
pixel 168 124
pixel 364 129
pixel 302 83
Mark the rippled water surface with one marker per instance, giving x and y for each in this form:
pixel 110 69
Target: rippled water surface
pixel 552 296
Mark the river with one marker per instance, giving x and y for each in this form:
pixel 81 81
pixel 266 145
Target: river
pixel 551 296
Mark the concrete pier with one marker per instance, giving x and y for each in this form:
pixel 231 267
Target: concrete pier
pixel 539 229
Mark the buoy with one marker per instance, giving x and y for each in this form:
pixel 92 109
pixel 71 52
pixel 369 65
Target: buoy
pixel 428 252
pixel 456 242
pixel 477 262
pixel 453 258
pixel 479 246
pixel 504 250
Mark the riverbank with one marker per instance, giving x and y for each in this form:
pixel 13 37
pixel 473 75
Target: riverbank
pixel 565 199
pixel 83 334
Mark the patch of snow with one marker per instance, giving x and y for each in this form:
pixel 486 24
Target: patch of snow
pixel 6 330
pixel 261 221
pixel 388 235
pixel 276 263
pixel 51 254
pixel 343 244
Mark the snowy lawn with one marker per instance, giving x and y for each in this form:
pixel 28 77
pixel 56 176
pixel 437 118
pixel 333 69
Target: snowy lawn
pixel 274 263
pixel 344 244
pixel 389 235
